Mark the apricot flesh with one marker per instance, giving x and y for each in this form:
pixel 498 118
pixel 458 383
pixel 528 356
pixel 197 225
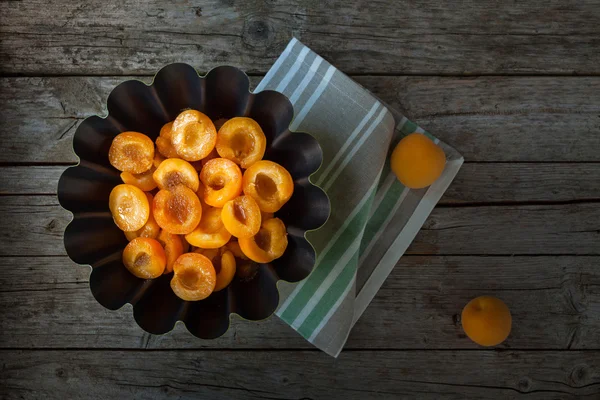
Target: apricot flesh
pixel 417 161
pixel 173 246
pixel 193 135
pixel 129 207
pixel 224 264
pixel 210 232
pixel 268 244
pixel 241 217
pixel 242 141
pixel 177 210
pixel 270 184
pixel 194 277
pixel 173 172
pixel 144 258
pixel 221 181
pixel 150 228
pixel 131 152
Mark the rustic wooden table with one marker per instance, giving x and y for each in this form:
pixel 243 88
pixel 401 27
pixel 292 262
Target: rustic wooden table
pixel 515 87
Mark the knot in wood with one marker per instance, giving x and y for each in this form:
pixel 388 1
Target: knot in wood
pixel 258 32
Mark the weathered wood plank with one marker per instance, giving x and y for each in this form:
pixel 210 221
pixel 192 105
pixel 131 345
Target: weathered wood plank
pixel 475 183
pixel 294 375
pixel 486 118
pixel 78 37
pixel 37 224
pixel 45 302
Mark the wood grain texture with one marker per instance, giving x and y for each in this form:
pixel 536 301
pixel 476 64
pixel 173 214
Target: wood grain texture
pixel 300 375
pixel 45 302
pixel 475 183
pixel 401 37
pixel 486 118
pixel 38 222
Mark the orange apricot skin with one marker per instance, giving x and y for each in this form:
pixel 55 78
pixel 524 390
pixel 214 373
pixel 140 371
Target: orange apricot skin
pixel 163 141
pixel 242 141
pixel 227 271
pixel 417 161
pixel 244 207
pixel 193 135
pixel 131 152
pixel 486 320
pixel 144 181
pixel 210 232
pixel 129 207
pixel 144 258
pixel 224 263
pixel 174 171
pixel 194 277
pixel 278 242
pixel 258 175
pixel 221 181
pixel 173 246
pixel 178 210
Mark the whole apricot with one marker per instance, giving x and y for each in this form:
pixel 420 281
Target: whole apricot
pixel 486 320
pixel 417 161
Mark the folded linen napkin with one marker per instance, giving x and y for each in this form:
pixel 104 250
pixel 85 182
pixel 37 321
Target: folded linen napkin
pixel 373 217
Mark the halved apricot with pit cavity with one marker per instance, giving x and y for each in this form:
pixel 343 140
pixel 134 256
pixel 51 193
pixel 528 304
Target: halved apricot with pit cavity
pixel 241 140
pixel 131 152
pixel 177 210
pixel 163 141
pixel 210 232
pixel 173 172
pixel 150 228
pixel 173 246
pixel 195 277
pixel 241 217
pixel 144 258
pixel 269 184
pixel 268 244
pixel 221 180
pixel 193 135
pixel 129 207
pixel 224 263
pixel 210 156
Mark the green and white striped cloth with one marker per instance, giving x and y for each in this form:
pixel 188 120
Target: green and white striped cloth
pixel 373 217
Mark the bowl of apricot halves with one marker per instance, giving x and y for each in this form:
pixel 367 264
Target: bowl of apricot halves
pixel 192 199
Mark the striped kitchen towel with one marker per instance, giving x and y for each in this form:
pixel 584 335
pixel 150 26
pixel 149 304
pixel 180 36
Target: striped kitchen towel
pixel 373 217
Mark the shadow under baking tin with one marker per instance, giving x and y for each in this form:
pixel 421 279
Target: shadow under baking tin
pixel 93 238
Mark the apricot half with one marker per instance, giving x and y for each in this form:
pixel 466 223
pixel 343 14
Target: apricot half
pixel 224 263
pixel 177 210
pixel 173 172
pixel 163 141
pixel 268 244
pixel 131 152
pixel 210 232
pixel 144 181
pixel 144 258
pixel 269 184
pixel 193 135
pixel 241 140
pixel 221 180
pixel 194 277
pixel 150 228
pixel 245 269
pixel 241 217
pixel 129 207
pixel 173 246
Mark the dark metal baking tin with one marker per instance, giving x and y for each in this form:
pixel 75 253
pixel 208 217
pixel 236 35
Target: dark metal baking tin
pixel 92 237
